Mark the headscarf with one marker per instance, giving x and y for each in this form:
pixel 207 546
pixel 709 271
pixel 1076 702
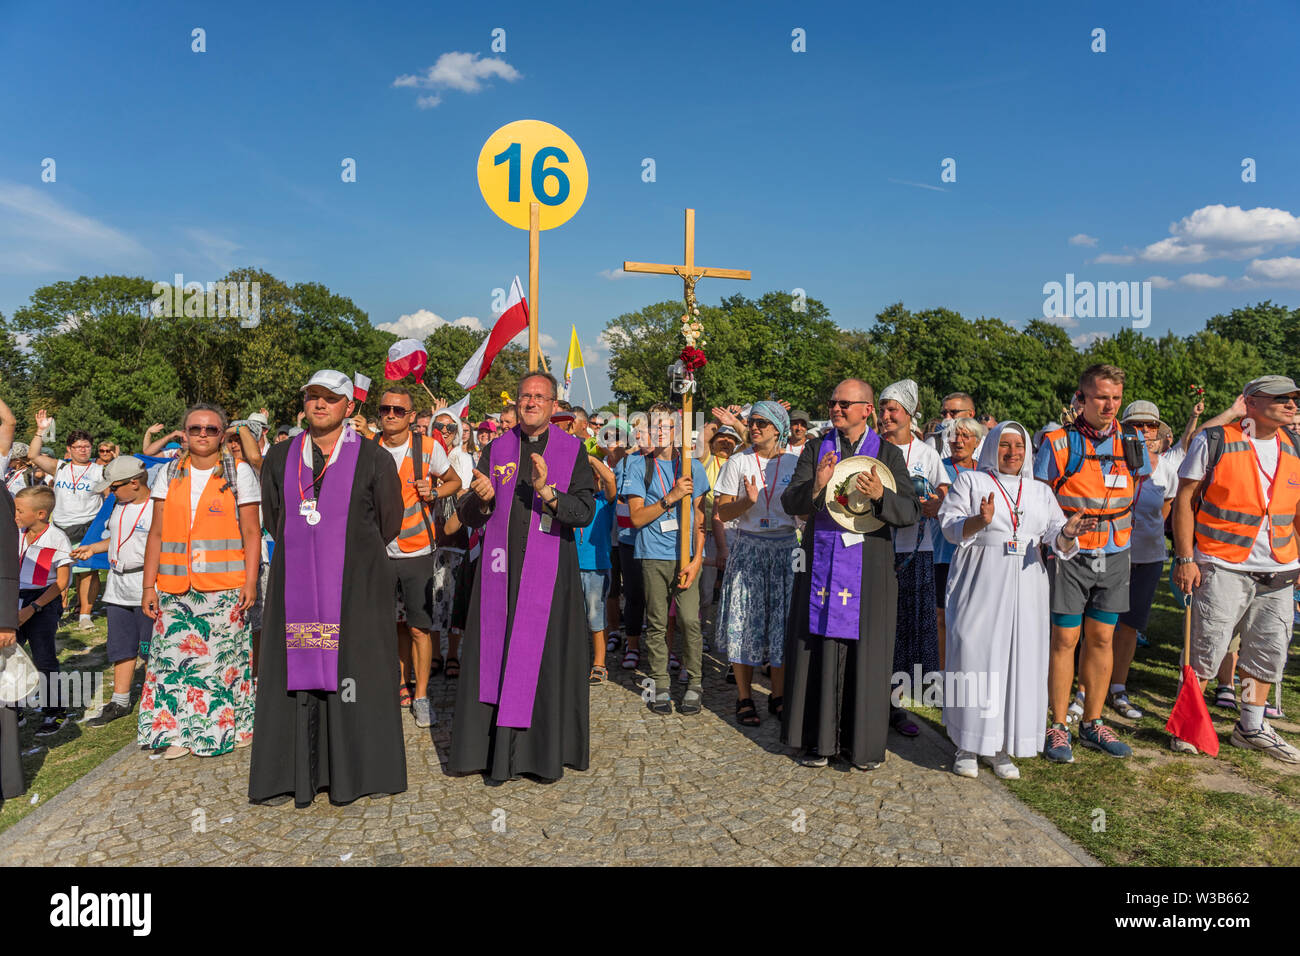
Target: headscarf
pixel 988 460
pixel 775 414
pixel 446 414
pixel 905 393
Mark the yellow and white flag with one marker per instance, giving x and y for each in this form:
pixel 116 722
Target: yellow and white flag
pixel 574 360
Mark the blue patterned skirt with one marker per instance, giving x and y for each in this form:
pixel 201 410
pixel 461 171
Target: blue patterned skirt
pixel 755 599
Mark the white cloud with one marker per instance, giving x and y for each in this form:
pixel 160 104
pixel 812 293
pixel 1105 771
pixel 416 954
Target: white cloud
pixel 1113 259
pixel 1160 282
pixel 614 273
pixel 905 182
pixel 544 340
pixel 216 249
pixel 1175 250
pixel 1227 232
pixel 1200 280
pixel 1083 239
pixel 39 234
pixel 1285 269
pixel 1064 321
pixel 421 323
pixel 1087 338
pixel 464 72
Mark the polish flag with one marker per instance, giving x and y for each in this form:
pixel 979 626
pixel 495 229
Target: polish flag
pixel 460 409
pixel 513 321
pixel 406 357
pixel 360 387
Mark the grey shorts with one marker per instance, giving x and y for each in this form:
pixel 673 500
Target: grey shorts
pixel 1077 586
pixel 1229 602
pixel 415 589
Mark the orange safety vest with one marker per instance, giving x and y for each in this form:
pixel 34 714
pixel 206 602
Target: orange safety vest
pixel 1086 491
pixel 207 555
pixel 416 529
pixel 1232 506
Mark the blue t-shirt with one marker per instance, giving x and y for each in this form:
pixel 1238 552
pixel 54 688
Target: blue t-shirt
pixel 652 541
pixel 1045 470
pixel 593 540
pixel 943 548
pixel 625 535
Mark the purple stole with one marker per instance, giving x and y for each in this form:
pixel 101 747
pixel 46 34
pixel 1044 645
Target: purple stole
pixel 313 566
pixel 834 604
pixel 516 688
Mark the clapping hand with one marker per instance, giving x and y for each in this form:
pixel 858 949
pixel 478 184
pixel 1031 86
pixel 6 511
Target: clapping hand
pixel 869 483
pixel 931 504
pixel 751 490
pixel 539 472
pixel 825 469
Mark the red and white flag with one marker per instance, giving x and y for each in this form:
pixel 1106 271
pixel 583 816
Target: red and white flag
pixel 460 409
pixel 513 321
pixel 360 387
pixel 406 357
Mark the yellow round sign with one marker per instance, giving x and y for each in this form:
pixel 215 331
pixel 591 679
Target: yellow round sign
pixel 530 161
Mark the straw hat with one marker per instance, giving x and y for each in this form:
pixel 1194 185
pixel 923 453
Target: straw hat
pixel 856 515
pixel 18 675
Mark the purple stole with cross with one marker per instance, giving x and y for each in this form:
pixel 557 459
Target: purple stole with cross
pixel 514 687
pixel 834 603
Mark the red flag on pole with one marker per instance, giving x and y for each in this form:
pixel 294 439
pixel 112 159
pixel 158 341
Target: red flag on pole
pixel 513 321
pixel 406 357
pixel 1190 719
pixel 360 387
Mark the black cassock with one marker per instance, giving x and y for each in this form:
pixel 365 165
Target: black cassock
pixel 837 691
pixel 308 741
pixel 11 760
pixel 559 735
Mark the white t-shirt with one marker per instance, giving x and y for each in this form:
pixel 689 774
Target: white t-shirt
pixel 38 561
pixel 438 464
pixel 128 531
pixel 766 516
pixel 248 488
pixel 1148 540
pixel 463 465
pixel 74 502
pixel 923 461
pixel 1261 555
pixel 793 449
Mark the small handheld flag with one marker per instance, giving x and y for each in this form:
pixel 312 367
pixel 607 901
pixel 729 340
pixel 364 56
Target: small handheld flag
pixel 360 387
pixel 406 357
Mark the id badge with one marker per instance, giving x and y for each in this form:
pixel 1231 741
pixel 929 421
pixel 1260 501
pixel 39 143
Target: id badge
pixel 306 506
pixel 850 538
pixel 1114 480
pixel 545 524
pixel 1015 547
pixel 765 522
pixel 668 525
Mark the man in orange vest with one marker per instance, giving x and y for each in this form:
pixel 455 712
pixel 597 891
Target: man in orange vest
pixel 1234 537
pixel 1093 466
pixel 411 552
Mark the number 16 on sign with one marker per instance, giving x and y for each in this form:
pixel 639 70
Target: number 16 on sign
pixel 533 176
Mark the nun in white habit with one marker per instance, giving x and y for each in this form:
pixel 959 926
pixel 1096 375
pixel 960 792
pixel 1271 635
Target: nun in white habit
pixel 995 694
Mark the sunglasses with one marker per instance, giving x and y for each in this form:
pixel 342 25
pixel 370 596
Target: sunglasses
pixel 1285 400
pixel 210 431
pixel 120 484
pixel 396 410
pixel 106 451
pixel 446 429
pixel 759 423
pixel 845 403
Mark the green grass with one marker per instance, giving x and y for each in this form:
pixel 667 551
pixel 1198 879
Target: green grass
pixel 1162 809
pixel 75 751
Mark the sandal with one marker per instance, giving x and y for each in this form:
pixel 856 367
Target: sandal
pixel 1120 703
pixel 631 658
pixel 452 669
pixel 902 721
pixel 747 713
pixel 674 662
pixel 435 667
pixel 775 705
pixel 405 694
pixel 598 675
pixel 611 642
pixel 1225 697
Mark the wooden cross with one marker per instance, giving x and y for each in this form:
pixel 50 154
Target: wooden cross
pixel 844 597
pixel 690 273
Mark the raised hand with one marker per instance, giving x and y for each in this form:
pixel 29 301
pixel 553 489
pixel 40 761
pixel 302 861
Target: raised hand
pixel 439 404
pixel 1078 524
pixel 751 489
pixel 42 420
pixel 825 469
pixel 152 429
pixel 481 487
pixel 539 472
pixel 986 509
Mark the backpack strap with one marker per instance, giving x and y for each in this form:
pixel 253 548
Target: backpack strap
pixel 417 463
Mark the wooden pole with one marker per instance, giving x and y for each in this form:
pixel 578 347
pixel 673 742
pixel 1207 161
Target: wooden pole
pixel 688 502
pixel 534 248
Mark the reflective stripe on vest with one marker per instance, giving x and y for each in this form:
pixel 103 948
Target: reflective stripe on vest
pixel 207 555
pixel 1086 491
pixel 1233 508
pixel 414 535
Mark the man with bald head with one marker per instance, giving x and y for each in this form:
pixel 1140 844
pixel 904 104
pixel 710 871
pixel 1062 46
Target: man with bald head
pixel 839 649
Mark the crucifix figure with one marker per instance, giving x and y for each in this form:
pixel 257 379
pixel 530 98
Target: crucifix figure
pixel 689 273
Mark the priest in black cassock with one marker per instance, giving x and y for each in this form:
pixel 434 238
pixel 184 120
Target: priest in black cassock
pixel 521 706
pixel 327 709
pixel 837 682
pixel 11 761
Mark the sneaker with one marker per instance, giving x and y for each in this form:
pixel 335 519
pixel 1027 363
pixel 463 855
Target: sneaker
pixel 1119 703
pixel 111 712
pixel 1180 746
pixel 1098 736
pixel 1056 747
pixel 870 765
pixel 1002 766
pixel 663 704
pixel 85 624
pixel 692 702
pixel 1142 640
pixel 1273 712
pixel 1075 711
pixel 1265 739
pixel 965 764
pixel 423 712
pixel 50 726
pixel 813 759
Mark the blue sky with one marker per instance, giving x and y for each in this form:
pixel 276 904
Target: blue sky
pixel 818 170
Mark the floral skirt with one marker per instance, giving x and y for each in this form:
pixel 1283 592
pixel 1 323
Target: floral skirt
pixel 755 599
pixel 198 686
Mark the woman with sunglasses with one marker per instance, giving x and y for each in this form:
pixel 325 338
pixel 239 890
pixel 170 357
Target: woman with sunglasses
pixel 759 579
pixel 200 577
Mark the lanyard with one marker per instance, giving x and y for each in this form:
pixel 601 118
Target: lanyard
pixel 659 478
pixel 73 471
pixel 1268 492
pixel 1014 509
pixel 117 555
pixel 22 552
pixel 776 481
pixel 329 460
pixel 907 459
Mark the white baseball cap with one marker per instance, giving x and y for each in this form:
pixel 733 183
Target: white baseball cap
pixel 336 382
